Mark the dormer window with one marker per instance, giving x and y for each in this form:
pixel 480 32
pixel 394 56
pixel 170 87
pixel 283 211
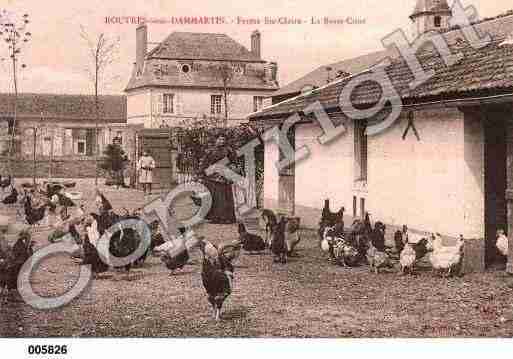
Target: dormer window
pixel 186 68
pixel 438 21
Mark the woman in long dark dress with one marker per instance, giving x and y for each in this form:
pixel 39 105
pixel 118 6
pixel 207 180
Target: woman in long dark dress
pixel 221 189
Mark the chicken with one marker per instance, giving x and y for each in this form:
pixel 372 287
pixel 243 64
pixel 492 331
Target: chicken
pixel 250 242
pixel 329 219
pixel 279 245
pixel 12 262
pixel 156 240
pixel 446 259
pixel 400 239
pixel 123 243
pixel 4 183
pixel 502 242
pixel 376 256
pixel 407 259
pixel 90 241
pixel 176 259
pixel 292 237
pixel 345 254
pixel 270 220
pixel 217 278
pixel 12 198
pixel 230 250
pixel 34 215
pixel 333 235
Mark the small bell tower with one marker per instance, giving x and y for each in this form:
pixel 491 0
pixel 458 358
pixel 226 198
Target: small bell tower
pixel 430 15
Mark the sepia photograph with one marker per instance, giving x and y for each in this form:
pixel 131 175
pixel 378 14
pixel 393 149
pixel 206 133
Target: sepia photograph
pixel 273 170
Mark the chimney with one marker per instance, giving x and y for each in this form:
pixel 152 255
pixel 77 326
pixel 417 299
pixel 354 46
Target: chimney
pixel 255 43
pixel 141 46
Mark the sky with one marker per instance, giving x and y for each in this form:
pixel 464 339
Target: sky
pixel 57 56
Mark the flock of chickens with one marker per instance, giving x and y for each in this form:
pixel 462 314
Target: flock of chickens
pixel 362 243
pixel 86 229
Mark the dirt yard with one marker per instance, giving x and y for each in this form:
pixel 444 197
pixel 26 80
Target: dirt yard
pixel 308 297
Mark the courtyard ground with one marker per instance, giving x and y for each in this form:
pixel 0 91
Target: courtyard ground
pixel 308 297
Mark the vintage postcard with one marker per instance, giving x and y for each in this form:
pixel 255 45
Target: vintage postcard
pixel 269 169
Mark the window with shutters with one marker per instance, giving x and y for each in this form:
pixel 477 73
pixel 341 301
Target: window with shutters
pixel 216 104
pixel 360 150
pixel 168 103
pixel 77 141
pixel 258 102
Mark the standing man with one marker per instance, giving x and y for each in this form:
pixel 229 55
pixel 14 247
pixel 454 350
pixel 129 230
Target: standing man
pixel 145 167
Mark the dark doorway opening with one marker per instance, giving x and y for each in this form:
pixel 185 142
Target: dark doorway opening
pixel 495 185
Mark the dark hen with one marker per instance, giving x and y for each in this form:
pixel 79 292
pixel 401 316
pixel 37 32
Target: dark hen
pixel 217 279
pixel 12 198
pixel 270 220
pixel 34 215
pixel 4 183
pixel 279 246
pixel 11 263
pixel 92 257
pixel 250 242
pixel 176 261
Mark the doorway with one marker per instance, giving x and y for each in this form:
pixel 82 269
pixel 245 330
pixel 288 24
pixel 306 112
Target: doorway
pixel 495 184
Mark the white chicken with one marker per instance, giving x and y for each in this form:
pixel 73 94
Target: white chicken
pixel 446 258
pixel 407 258
pixel 377 259
pixel 502 242
pixel 325 242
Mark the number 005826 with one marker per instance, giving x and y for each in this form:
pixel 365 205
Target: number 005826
pixel 48 349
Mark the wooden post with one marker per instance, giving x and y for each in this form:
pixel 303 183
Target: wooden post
pixel 509 186
pixel 34 150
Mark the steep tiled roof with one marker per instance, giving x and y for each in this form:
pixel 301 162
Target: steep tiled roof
pixel 319 76
pixel 196 50
pixel 489 69
pixel 201 46
pixel 498 27
pixel 64 107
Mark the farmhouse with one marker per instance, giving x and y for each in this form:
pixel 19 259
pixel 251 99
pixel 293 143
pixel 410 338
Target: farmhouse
pixel 445 164
pixel 61 128
pixel 190 77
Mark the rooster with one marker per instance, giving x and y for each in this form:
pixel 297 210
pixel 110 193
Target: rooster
pixel 279 245
pixel 217 278
pixel 250 242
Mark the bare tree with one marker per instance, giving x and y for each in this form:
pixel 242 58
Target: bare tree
pixel 13 32
pixel 102 52
pixel 224 73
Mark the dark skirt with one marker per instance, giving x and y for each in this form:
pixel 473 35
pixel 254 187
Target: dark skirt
pixel 223 208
